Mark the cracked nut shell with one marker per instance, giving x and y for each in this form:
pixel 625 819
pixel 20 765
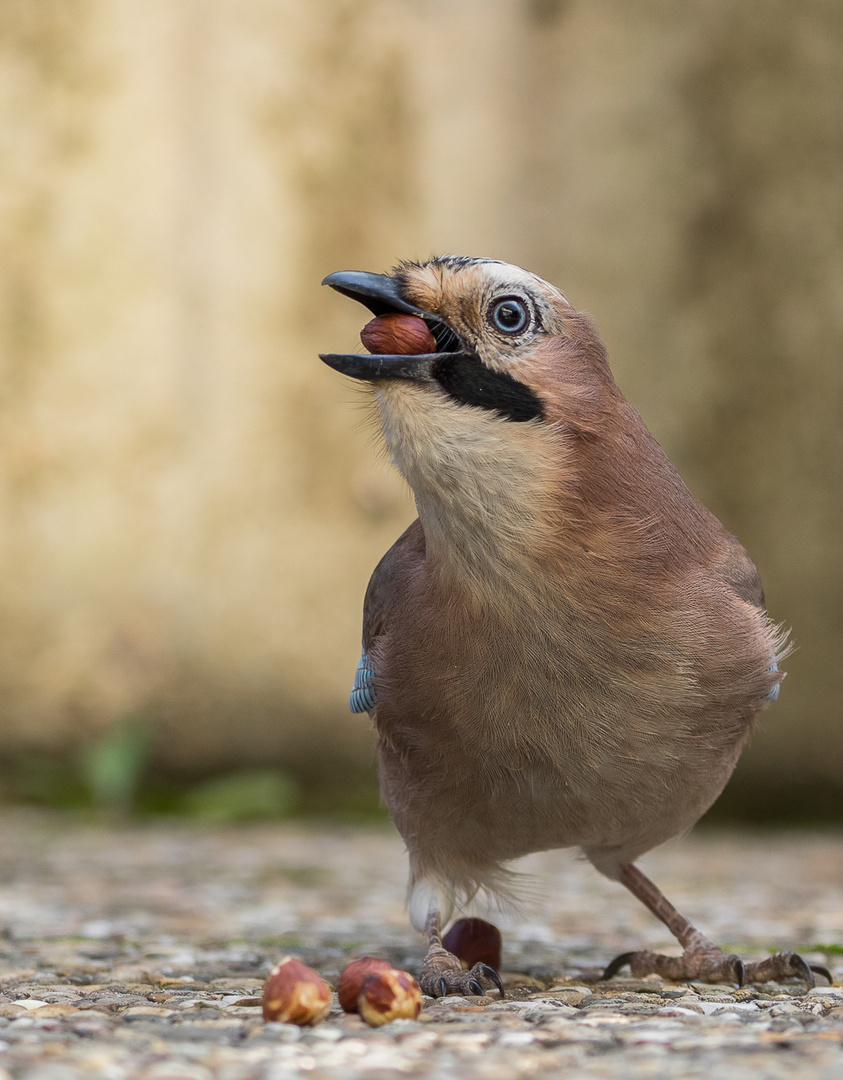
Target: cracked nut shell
pixel 351 980
pixel 295 994
pixel 389 995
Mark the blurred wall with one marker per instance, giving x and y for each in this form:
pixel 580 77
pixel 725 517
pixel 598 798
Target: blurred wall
pixel 192 503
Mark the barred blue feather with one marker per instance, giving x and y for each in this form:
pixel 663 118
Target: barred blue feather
pixel 774 693
pixel 363 695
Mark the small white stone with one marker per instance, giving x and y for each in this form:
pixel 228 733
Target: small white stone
pixel 653 1034
pixel 325 1034
pixel 515 1038
pixel 543 1011
pixel 709 1007
pixel 690 1002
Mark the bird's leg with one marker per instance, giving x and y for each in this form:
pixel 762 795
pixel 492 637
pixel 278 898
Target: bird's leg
pixel 701 959
pixel 442 973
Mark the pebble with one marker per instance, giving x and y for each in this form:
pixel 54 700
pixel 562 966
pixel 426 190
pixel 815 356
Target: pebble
pixel 135 1011
pixel 158 970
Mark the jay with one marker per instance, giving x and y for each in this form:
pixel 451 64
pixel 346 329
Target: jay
pixel 565 648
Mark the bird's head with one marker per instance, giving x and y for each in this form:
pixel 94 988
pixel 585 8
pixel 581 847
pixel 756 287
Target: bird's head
pixel 489 415
pixel 505 340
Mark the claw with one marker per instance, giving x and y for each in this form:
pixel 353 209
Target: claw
pixel 704 961
pixel 802 970
pixel 820 970
pixel 617 964
pixel 476 989
pixel 493 976
pixel 443 988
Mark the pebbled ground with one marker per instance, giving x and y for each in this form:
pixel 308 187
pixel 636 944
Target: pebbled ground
pixel 140 951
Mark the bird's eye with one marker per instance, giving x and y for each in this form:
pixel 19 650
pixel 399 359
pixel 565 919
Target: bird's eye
pixel 511 315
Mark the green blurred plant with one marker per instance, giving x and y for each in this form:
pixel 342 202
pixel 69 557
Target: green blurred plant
pixel 241 796
pixel 111 767
pixel 116 773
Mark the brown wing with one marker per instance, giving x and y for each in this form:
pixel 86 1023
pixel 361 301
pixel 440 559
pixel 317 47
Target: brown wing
pixel 742 575
pixel 384 584
pixel 383 593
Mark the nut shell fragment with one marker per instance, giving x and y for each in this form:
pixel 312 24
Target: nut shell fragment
pixel 295 994
pixel 389 995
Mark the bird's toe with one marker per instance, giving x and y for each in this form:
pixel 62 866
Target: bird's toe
pixel 707 963
pixel 704 962
pixel 485 971
pixel 617 964
pixel 443 974
pixel 786 965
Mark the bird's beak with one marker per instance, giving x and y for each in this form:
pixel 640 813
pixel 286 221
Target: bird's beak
pixel 380 294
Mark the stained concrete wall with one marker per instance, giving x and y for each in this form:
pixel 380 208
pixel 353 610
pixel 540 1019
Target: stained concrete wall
pixel 191 503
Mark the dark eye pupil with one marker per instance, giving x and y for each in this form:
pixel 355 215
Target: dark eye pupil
pixel 509 315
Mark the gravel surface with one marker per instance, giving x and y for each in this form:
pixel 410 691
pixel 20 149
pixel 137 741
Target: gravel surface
pixel 140 951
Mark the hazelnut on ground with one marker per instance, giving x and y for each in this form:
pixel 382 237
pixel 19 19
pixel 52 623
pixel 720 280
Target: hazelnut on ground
pixel 474 941
pixel 295 994
pixel 351 979
pixel 389 995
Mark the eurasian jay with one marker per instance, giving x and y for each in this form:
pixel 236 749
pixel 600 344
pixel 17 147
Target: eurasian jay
pixel 565 648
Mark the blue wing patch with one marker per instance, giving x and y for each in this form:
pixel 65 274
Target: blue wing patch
pixel 363 695
pixel 773 695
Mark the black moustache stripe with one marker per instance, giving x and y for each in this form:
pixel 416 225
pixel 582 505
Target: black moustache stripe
pixel 467 379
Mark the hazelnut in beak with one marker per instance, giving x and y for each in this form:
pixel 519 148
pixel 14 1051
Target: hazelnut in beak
pixel 295 994
pixel 401 335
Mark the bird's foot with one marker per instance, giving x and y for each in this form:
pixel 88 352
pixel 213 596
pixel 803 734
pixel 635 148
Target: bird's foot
pixel 785 965
pixel 443 974
pixel 702 961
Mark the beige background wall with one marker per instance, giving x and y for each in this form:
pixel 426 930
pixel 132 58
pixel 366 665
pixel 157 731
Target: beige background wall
pixel 191 503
